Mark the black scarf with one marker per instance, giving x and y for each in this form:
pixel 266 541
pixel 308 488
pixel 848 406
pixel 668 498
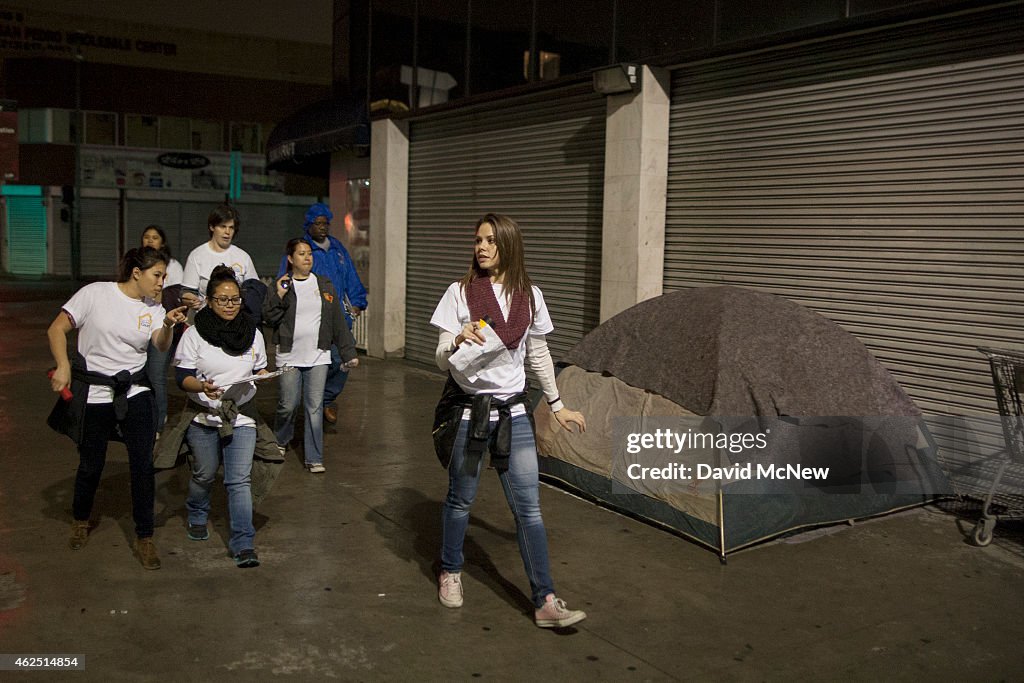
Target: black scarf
pixel 233 336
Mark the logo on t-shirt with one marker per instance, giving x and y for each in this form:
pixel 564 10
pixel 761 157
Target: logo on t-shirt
pixel 239 270
pixel 146 321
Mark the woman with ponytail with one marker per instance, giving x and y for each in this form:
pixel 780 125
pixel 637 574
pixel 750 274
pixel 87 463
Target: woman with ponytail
pixel 109 397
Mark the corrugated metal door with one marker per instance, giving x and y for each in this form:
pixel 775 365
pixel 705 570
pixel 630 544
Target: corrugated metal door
pixel 539 159
pixel 266 228
pixel 141 211
pixel 26 235
pixel 99 225
pixel 891 203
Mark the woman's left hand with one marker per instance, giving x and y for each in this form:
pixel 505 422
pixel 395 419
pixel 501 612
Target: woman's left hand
pixel 566 418
pixel 176 316
pixel 264 371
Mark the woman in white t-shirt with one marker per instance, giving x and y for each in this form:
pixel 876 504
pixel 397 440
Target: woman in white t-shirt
pixel 224 225
pixel 116 322
pixel 497 288
pixel 304 313
pixel 214 357
pixel 159 361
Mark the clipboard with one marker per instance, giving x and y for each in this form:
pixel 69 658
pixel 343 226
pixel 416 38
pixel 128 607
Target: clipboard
pixel 257 378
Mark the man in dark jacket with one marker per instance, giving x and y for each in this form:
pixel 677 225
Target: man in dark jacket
pixel 332 260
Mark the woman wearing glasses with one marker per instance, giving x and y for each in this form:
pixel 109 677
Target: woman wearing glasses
pixel 222 348
pixel 303 311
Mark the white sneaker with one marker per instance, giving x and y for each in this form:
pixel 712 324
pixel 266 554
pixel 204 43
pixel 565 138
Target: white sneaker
pixel 555 614
pixel 449 590
pixel 316 468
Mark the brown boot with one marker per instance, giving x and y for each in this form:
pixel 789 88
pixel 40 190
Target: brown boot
pixel 79 534
pixel 145 550
pixel 331 414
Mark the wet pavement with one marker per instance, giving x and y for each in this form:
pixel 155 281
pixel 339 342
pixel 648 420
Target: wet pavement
pixel 346 589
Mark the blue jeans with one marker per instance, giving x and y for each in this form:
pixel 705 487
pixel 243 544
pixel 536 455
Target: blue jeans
pixel 309 384
pixel 335 378
pixel 157 363
pixel 237 451
pixel 522 491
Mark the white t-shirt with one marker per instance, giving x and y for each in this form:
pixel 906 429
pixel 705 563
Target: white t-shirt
pixel 212 363
pixel 304 353
pixel 175 273
pixel 204 259
pixel 504 381
pixel 114 331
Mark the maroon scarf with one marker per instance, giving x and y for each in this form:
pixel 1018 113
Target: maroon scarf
pixel 482 302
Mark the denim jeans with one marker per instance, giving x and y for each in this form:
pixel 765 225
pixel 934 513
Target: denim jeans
pixel 157 363
pixel 207 449
pixel 139 437
pixel 307 384
pixel 336 378
pixel 522 491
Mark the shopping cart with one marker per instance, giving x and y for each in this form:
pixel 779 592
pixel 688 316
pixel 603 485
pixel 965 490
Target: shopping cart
pixel 1008 380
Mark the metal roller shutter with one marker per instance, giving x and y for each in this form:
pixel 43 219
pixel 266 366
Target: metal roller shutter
pixel 26 235
pixel 266 228
pixel 539 159
pixel 141 211
pixel 99 225
pixel 193 231
pixel 890 202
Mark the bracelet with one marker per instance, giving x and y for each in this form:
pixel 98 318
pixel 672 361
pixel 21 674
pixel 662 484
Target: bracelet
pixel 557 399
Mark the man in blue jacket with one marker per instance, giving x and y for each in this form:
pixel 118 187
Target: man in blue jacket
pixel 331 260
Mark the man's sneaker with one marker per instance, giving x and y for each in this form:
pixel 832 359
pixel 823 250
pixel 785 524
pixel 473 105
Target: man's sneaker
pixel 146 552
pixel 282 449
pixel 554 614
pixel 198 532
pixel 316 468
pixel 79 534
pixel 449 589
pixel 247 558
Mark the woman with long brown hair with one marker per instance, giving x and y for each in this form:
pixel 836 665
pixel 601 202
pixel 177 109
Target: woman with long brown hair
pixel 496 308
pixel 116 323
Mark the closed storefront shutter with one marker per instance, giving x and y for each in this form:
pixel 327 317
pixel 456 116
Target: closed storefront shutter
pixel 879 182
pixel 539 159
pixel 26 234
pixel 99 226
pixel 142 210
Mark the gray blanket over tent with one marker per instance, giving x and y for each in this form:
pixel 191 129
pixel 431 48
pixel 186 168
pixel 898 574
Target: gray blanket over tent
pixel 731 357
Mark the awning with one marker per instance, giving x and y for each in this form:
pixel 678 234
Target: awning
pixel 303 142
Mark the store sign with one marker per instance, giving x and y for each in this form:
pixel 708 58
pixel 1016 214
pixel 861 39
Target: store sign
pixel 8 141
pixel 141 169
pixel 183 160
pixel 18 33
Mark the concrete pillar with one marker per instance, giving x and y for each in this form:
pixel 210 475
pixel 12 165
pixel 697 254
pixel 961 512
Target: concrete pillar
pixel 389 192
pixel 635 183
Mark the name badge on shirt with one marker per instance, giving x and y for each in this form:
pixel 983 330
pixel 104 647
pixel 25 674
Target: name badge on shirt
pixel 146 321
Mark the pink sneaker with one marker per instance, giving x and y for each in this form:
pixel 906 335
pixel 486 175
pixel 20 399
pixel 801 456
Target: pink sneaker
pixel 449 590
pixel 554 614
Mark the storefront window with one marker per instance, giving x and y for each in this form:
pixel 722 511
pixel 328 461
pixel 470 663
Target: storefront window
pixel 175 133
pixel 207 135
pixel 141 131
pixel 245 137
pixel 100 128
pixel 357 225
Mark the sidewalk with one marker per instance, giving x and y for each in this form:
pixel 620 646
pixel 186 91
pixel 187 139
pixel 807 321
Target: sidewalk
pixel 347 586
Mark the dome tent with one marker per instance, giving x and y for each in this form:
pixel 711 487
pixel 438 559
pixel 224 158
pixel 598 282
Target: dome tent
pixel 732 359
